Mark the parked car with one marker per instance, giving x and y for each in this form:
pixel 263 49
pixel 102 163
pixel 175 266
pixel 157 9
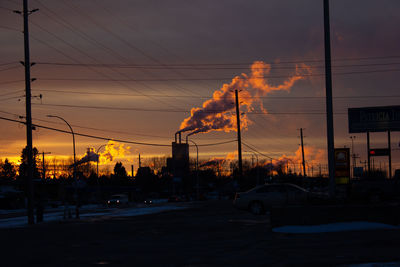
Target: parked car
pixel 262 198
pixel 118 200
pixel 148 202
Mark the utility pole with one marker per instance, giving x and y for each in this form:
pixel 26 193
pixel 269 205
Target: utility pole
pixel 43 166
pixel 54 177
pixel 270 169
pixel 140 163
pixel 302 152
pixel 354 155
pixel 329 105
pixel 132 170
pixel 390 156
pixel 27 64
pixel 238 134
pixel 369 156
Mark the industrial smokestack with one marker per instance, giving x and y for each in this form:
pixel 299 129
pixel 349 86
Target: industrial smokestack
pixel 178 133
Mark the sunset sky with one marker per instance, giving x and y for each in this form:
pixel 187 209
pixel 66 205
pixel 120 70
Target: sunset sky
pixel 133 70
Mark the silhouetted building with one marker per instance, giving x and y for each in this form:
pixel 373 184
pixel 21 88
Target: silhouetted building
pixel 179 163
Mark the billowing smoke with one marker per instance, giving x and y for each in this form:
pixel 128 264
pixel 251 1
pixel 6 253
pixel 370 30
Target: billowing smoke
pixel 89 156
pixel 312 156
pixel 219 162
pixel 215 162
pixel 113 150
pixel 218 113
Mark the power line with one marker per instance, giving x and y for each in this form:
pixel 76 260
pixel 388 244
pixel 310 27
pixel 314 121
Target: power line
pixel 13 97
pixel 247 63
pixel 207 97
pixel 9 68
pixel 8 63
pixel 120 82
pixel 94 59
pixel 5 8
pixel 110 139
pixel 255 150
pixel 97 129
pixel 11 93
pixel 10 29
pixel 113 53
pixel 118 37
pixel 206 67
pixel 184 111
pixel 85 127
pixel 105 138
pixel 14 81
pixel 213 79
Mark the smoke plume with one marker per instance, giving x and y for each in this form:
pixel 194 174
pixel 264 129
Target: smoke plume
pixel 113 150
pixel 312 156
pixel 89 156
pixel 218 113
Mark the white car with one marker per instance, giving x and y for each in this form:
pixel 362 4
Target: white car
pixel 118 200
pixel 262 198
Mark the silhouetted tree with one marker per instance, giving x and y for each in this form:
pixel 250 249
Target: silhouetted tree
pixel 119 170
pixel 7 171
pixel 23 167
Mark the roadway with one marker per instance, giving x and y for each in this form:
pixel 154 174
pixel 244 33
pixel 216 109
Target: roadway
pixel 210 233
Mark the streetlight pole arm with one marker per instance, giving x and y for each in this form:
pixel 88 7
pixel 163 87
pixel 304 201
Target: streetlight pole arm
pixel 197 166
pixel 74 174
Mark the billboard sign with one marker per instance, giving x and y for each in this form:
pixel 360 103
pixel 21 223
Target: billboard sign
pixel 374 119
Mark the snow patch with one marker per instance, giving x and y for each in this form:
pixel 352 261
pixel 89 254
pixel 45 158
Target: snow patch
pixel 332 227
pixel 22 221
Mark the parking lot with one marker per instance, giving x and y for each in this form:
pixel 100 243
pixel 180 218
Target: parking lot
pixel 210 233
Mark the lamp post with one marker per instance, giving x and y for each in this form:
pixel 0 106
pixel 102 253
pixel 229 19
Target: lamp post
pixel 98 179
pixel 197 167
pixel 352 152
pixel 98 158
pixel 74 171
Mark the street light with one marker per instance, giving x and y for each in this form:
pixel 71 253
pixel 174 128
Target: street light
pixel 197 166
pixel 98 158
pixel 74 171
pixel 98 180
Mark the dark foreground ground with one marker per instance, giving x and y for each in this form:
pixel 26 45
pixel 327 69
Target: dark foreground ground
pixel 208 234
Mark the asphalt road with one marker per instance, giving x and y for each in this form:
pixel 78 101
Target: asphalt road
pixel 210 233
